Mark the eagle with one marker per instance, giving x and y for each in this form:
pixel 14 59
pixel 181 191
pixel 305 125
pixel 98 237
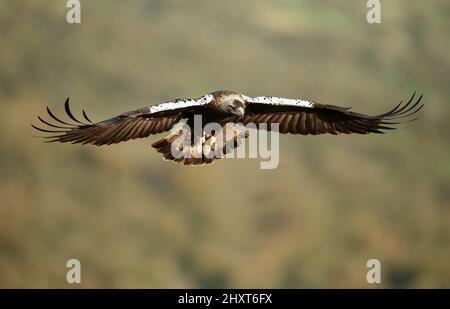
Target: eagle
pixel 227 109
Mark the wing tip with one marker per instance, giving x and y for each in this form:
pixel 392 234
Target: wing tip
pixel 62 128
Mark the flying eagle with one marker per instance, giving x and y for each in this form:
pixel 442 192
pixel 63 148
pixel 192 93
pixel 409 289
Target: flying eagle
pixel 226 108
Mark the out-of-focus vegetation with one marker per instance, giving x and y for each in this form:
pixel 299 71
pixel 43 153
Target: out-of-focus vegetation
pixel 134 220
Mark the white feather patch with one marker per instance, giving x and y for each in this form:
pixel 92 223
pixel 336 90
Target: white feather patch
pixel 279 101
pixel 180 103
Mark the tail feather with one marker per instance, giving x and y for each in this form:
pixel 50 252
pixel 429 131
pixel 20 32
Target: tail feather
pixel 177 146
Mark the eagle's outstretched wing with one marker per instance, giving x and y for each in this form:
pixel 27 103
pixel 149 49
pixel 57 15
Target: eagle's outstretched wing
pixel 135 124
pixel 307 117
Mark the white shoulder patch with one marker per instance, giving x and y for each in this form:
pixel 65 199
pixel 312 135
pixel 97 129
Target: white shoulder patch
pixel 279 101
pixel 180 103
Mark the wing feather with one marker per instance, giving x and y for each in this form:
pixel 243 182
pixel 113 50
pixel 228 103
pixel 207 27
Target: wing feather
pixel 308 117
pixel 130 125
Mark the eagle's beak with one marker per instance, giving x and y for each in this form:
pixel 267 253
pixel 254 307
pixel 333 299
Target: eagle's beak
pixel 240 111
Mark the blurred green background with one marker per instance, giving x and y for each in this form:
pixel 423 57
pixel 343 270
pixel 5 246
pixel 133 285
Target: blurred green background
pixel 134 220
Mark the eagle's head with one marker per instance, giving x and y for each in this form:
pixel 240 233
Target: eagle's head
pixel 230 103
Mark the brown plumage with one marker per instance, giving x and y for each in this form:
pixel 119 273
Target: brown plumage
pixel 225 108
pixel 330 119
pixel 115 130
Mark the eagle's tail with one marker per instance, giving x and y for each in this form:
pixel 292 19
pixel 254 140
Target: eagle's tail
pixel 177 146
